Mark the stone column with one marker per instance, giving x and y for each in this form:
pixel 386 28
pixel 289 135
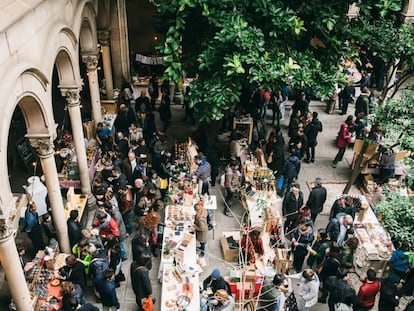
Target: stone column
pixel 104 40
pixel 73 100
pixel 408 11
pixel 11 266
pixel 91 61
pixel 45 151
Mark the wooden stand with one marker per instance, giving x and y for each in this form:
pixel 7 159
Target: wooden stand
pixel 245 126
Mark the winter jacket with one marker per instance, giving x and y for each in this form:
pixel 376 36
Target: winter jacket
pixel 317 198
pixel 201 228
pixel 367 292
pixel 344 137
pixel 98 266
pixel 291 204
pixel 74 231
pixel 341 291
pixel 109 227
pixel 292 167
pixel 399 261
pixel 312 130
pixel 141 283
pixel 107 291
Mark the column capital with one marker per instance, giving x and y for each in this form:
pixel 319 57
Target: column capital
pixel 43 145
pixel 5 228
pixel 91 60
pixel 104 36
pixel 72 95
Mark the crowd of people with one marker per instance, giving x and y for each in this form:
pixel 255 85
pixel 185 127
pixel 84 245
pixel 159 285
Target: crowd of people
pixel 131 186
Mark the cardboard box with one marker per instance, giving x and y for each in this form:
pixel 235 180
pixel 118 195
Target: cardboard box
pixel 230 254
pixel 283 260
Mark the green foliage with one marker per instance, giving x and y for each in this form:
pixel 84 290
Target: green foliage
pixel 396 118
pixel 398 219
pixel 234 44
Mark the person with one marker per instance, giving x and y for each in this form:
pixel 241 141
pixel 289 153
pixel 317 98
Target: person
pixel 114 212
pixel 340 291
pixel 141 245
pixel 410 306
pixel 149 223
pixel 292 202
pixel 128 166
pixel 188 110
pixel 232 183
pixel 141 283
pixel 378 195
pixel 142 103
pixel 343 139
pixel 203 173
pixel 368 291
pixel 276 103
pixel 302 238
pixel 345 205
pixel 69 290
pixel 97 266
pixel 201 227
pixel 348 251
pixel 222 301
pixel 311 131
pixel 21 251
pixel 346 97
pixel 340 227
pixel 317 252
pixel 74 228
pixel 362 102
pixel 301 104
pixel 164 110
pixel 388 298
pixel 101 136
pixel 73 271
pixel 316 199
pixel 73 304
pixel 308 288
pixel 399 262
pixel 292 168
pixel 270 293
pixel 107 291
pixel 49 229
pixel 107 225
pixel 212 284
pixel 329 267
pixel 33 228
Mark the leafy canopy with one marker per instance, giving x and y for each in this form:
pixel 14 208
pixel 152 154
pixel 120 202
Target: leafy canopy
pixel 234 44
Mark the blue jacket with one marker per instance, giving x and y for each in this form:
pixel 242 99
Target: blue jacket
pixel 107 291
pixel 292 167
pixel 399 261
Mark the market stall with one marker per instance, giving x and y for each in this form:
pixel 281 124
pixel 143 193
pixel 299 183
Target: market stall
pixel 41 275
pixel 375 246
pixel 179 271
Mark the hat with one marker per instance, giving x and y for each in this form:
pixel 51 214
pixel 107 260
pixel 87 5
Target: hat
pixel 216 273
pixel 221 294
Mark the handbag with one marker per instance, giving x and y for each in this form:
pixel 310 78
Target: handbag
pixel 280 183
pixel 163 183
pixel 340 306
pixel 147 304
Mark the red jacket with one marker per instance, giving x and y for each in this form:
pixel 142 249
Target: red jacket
pixel 367 293
pixel 344 136
pixel 108 229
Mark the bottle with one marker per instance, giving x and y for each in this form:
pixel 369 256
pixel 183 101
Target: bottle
pixel 174 262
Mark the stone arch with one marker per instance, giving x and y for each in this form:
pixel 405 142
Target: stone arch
pixel 30 91
pixel 85 26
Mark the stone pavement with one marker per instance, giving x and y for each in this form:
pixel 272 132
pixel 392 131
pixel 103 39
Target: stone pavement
pixel 335 180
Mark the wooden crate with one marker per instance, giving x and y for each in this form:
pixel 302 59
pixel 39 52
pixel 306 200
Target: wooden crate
pixel 283 261
pixel 230 254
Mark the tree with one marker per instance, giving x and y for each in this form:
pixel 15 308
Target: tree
pixel 378 24
pixel 234 45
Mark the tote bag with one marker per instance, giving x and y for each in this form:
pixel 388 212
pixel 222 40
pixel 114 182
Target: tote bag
pixel 340 306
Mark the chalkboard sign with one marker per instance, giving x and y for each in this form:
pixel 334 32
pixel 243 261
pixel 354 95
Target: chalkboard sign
pixel 26 153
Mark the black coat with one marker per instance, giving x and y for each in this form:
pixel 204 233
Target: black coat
pixel 317 198
pixel 292 167
pixel 74 231
pixel 141 283
pixel 75 274
pixel 291 205
pixel 312 130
